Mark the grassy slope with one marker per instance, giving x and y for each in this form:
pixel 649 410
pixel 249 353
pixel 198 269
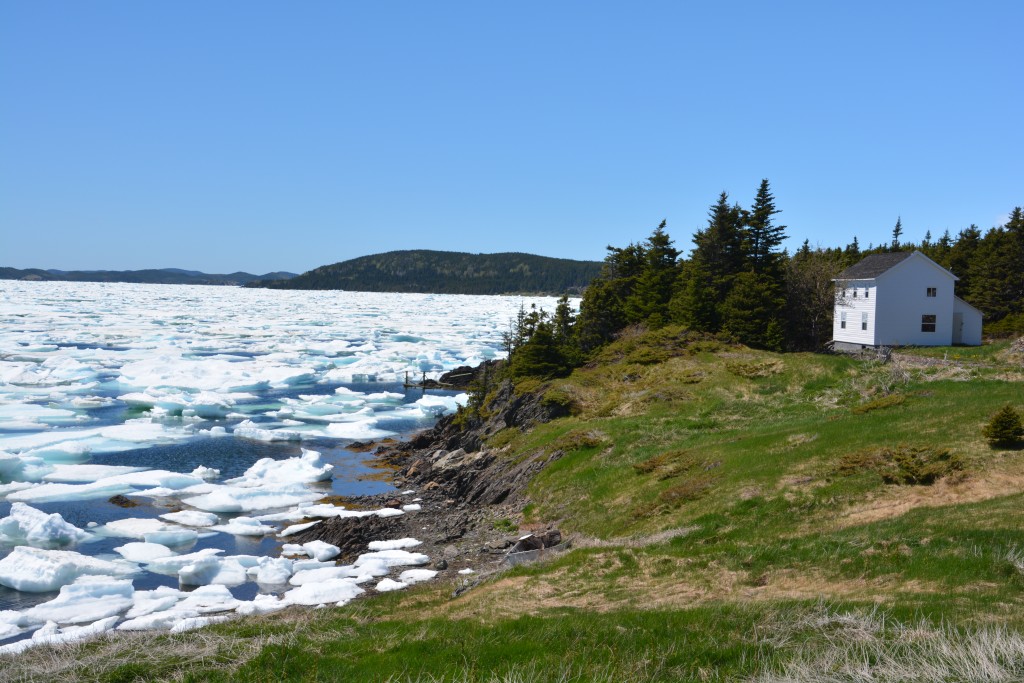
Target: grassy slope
pixel 731 521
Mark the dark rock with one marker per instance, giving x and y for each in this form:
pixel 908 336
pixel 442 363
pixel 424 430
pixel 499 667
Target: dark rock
pixel 352 534
pixel 441 565
pixel 551 538
pixel 122 501
pixel 527 543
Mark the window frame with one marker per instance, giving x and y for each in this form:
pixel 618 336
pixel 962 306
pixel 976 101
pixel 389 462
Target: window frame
pixel 928 322
pixel 931 292
pixel 842 320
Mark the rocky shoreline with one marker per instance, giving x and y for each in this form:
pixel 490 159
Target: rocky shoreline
pixel 470 497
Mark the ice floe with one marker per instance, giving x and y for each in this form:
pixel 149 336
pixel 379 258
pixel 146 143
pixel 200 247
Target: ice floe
pixel 88 370
pixel 26 525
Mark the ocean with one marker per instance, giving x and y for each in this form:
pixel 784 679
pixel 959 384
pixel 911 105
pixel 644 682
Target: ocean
pixel 121 403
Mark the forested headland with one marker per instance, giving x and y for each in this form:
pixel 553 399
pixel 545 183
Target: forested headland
pixel 448 272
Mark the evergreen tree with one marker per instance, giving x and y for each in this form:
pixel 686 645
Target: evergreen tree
pixel 961 254
pixel 652 290
pixel 716 259
pixel 762 237
pixel 852 252
pixel 1005 428
pixel 750 312
pixel 997 271
pixel 540 356
pixel 896 232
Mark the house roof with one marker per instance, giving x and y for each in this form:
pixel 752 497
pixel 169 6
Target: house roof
pixel 874 265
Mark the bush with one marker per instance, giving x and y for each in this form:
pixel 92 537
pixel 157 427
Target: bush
pixel 1004 429
pixel 903 465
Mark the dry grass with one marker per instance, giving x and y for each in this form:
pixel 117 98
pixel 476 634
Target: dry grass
pixel 868 648
pixel 168 658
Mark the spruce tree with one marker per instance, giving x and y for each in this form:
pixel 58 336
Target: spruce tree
pixel 751 311
pixel 716 259
pixel 648 302
pixel 896 232
pixel 762 237
pixel 1005 428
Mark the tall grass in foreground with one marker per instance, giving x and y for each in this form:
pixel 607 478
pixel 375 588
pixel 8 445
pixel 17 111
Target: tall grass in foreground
pixel 798 643
pixel 865 648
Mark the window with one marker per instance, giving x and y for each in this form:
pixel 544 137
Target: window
pixel 866 290
pixel 854 292
pixel 842 320
pixel 863 321
pixel 927 323
pixel 931 291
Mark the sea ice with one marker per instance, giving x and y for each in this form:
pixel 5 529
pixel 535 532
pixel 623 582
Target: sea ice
pixel 411 576
pixel 396 544
pixel 52 635
pixel 213 570
pixel 273 570
pixel 301 578
pixel 69 474
pixel 296 528
pixel 307 468
pixel 193 623
pixel 27 525
pixel 261 604
pixel 191 518
pixel 339 591
pixel 231 499
pixel 157 600
pixel 210 599
pixel 143 552
pixel 244 526
pixel 322 551
pixel 392 558
pixel 87 599
pixel 35 570
pixel 171 536
pixel 172 564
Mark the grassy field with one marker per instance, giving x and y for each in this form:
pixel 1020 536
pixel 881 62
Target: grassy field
pixel 736 515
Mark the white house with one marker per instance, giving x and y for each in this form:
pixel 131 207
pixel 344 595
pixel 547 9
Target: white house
pixel 901 299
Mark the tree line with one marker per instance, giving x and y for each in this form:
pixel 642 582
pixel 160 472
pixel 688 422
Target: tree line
pixel 738 282
pixel 447 272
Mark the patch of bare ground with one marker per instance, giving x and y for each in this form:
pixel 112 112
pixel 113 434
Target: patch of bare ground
pixel 794 584
pixel 894 501
pixel 657 583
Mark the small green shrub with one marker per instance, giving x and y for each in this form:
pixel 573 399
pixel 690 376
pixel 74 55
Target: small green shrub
pixel 559 400
pixel 1005 428
pixel 686 491
pixel 753 369
pixel 669 464
pixel 903 465
pixel 880 403
pixel 505 525
pixel 579 439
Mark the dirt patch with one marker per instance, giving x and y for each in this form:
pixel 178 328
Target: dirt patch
pixel 898 501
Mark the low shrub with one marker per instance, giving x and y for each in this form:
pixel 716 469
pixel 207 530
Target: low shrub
pixel 879 403
pixel 1005 428
pixel 903 465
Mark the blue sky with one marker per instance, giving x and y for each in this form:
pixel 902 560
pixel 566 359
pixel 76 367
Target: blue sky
pixel 262 136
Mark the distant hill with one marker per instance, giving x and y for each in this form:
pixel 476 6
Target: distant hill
pixel 163 276
pixel 448 272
